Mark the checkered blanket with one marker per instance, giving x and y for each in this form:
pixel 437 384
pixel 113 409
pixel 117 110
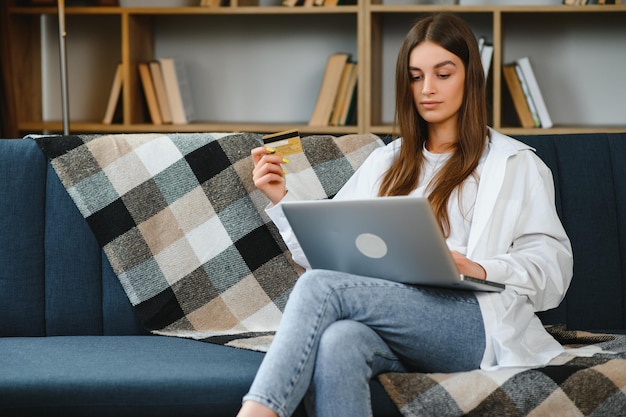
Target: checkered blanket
pixel 589 380
pixel 185 231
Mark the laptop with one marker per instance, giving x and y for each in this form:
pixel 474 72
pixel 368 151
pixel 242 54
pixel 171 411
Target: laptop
pixel 395 238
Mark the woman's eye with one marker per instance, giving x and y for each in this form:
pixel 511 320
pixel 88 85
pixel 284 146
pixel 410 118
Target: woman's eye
pixel 415 77
pixel 444 76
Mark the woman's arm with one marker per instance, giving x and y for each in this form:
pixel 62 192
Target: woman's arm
pixel 528 248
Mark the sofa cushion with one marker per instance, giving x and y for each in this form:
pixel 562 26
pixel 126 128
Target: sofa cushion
pixel 589 174
pixel 22 204
pixel 119 375
pixel 130 376
pixel 78 277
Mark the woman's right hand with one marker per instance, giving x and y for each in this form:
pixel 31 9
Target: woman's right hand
pixel 268 175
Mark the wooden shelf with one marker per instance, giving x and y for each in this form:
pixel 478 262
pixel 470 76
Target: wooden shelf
pixel 159 11
pixel 94 127
pixel 495 9
pixel 561 130
pixel 368 23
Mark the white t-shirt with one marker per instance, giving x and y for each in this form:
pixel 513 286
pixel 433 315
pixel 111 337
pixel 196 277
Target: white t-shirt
pixel 460 207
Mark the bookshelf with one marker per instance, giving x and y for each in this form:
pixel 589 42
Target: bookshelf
pixel 259 68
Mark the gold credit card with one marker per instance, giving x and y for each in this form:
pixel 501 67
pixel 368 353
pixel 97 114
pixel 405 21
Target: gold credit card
pixel 285 143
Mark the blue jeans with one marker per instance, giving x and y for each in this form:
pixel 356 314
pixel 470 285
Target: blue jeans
pixel 338 331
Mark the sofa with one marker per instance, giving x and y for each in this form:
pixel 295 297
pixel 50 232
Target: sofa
pixel 75 341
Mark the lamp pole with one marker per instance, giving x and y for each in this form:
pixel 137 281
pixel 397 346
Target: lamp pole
pixel 63 61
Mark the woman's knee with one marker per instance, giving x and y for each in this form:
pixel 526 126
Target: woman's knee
pixel 347 343
pixel 311 283
pixel 316 278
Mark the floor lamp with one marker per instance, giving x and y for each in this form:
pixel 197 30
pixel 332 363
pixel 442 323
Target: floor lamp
pixel 63 61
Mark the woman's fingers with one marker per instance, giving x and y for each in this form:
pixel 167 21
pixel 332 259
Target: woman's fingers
pixel 268 173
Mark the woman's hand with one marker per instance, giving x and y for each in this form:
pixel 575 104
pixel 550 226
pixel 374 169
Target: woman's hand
pixel 268 175
pixel 467 267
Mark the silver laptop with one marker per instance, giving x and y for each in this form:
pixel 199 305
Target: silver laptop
pixel 395 238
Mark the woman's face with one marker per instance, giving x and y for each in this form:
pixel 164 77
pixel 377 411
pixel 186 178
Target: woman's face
pixel 437 82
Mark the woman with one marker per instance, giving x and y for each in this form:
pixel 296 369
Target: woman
pixel 494 199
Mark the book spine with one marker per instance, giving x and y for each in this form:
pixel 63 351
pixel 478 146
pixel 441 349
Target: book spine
pixel 114 96
pixel 535 91
pixel 159 87
pixel 529 99
pixel 486 55
pixel 185 91
pixel 149 93
pixel 517 95
pixel 174 97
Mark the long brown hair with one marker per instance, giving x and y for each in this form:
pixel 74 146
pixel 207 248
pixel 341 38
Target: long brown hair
pixel 454 35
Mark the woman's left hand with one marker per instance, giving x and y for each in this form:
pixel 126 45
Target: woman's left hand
pixel 468 267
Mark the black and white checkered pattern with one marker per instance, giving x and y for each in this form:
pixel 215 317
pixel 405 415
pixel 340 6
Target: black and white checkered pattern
pixel 184 227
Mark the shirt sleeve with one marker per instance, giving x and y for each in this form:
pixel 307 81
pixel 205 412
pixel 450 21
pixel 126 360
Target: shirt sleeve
pixel 538 263
pixel 277 215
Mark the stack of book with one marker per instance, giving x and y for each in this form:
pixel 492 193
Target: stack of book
pixel 527 98
pixel 337 95
pixel 166 91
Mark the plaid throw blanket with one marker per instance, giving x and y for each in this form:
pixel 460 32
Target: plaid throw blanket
pixel 185 231
pixel 586 381
pixel 184 227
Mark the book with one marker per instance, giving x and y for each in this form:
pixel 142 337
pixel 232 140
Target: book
pixel 517 95
pixel 486 55
pixel 535 92
pixel 149 93
pixel 178 91
pixel 328 90
pixel 159 88
pixel 349 99
pixel 114 96
pixel 529 98
pixel 481 41
pixel 342 92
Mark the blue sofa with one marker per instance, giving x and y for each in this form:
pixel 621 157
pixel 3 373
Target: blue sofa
pixel 71 343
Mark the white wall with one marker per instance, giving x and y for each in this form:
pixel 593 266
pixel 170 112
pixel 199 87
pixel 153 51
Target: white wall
pixel 91 66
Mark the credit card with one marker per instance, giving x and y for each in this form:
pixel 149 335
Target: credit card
pixel 285 143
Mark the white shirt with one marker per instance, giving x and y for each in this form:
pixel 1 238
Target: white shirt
pixel 460 207
pixel 514 233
